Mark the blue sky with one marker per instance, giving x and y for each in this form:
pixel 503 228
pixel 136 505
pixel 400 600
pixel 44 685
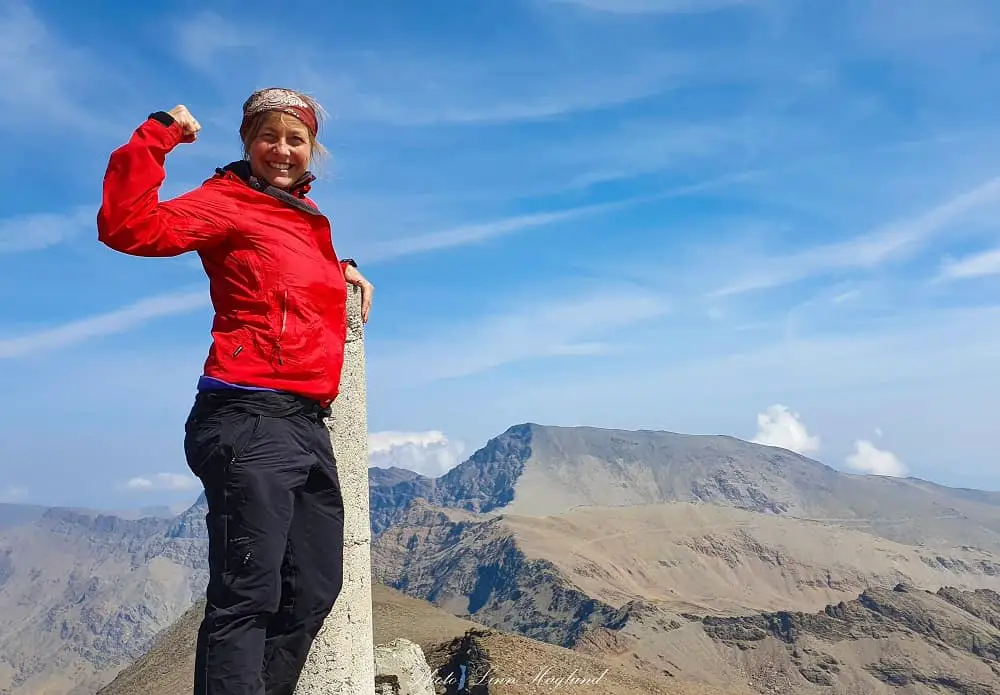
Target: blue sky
pixel 770 219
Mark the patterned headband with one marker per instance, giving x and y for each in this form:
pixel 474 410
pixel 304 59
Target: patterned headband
pixel 278 99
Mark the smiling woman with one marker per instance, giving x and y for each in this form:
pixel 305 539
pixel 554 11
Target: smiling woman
pixel 279 135
pixel 256 436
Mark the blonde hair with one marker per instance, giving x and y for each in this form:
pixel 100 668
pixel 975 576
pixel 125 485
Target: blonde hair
pixel 252 127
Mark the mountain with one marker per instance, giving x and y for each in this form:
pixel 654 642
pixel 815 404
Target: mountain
pixel 587 538
pixel 539 470
pixel 19 514
pixel 569 536
pixel 84 593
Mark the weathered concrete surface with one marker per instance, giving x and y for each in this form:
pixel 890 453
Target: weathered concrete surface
pixel 342 660
pixel 401 669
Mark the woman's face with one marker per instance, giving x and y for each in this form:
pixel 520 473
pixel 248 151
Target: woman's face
pixel 280 152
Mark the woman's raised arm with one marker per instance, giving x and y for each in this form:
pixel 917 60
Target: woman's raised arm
pixel 132 220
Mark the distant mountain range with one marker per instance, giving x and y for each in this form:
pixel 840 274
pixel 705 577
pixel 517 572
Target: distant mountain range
pixel 534 470
pixel 633 547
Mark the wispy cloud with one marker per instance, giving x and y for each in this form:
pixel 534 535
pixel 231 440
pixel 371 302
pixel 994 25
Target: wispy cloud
pixel 204 36
pixel 466 235
pixel 45 79
pixel 895 241
pixel 453 90
pixel 974 266
pixel 646 7
pixel 560 327
pixel 90 327
pixel 41 230
pixel 447 82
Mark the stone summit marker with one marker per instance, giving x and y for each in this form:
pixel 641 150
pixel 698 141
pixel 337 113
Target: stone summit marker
pixel 342 661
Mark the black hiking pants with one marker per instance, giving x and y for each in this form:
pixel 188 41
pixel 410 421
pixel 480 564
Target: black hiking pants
pixel 276 535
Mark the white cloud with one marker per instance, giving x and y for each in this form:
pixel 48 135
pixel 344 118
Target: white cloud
pixel 42 230
pixel 868 458
pixel 112 322
pixel 778 426
pixel 645 7
pixel 13 493
pixel 895 241
pixel 164 481
pixel 429 453
pixel 973 266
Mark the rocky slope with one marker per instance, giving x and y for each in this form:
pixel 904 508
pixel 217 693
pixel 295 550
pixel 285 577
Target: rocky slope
pixel 671 590
pixel 483 661
pixel 887 640
pixel 83 594
pixel 552 578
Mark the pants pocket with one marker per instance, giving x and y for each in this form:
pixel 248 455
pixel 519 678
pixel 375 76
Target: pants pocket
pixel 219 439
pixel 244 431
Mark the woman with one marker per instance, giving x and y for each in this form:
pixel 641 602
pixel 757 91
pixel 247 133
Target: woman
pixel 255 435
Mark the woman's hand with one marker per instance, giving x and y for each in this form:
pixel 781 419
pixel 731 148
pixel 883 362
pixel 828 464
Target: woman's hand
pixel 188 123
pixel 354 277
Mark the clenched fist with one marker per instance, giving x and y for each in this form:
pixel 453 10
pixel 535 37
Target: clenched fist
pixel 188 123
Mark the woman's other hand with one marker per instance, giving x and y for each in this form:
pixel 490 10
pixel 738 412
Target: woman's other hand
pixel 353 276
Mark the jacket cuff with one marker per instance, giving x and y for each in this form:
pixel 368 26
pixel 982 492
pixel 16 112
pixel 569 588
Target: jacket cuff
pixel 162 127
pixel 162 117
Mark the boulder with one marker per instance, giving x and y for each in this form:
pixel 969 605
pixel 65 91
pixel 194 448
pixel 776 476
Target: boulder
pixel 401 669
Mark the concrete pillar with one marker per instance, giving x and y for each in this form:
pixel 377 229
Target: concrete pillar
pixel 342 660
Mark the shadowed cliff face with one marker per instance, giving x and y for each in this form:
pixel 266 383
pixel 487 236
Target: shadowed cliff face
pixel 477 569
pixel 482 483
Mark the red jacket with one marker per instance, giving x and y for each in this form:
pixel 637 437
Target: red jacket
pixel 276 283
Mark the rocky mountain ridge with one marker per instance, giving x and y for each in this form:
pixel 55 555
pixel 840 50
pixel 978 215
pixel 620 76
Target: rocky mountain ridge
pixel 537 470
pixel 85 592
pixel 476 542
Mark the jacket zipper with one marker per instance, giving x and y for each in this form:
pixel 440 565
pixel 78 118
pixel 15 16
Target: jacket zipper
pixel 284 321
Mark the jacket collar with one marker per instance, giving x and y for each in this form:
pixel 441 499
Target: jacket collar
pixel 294 196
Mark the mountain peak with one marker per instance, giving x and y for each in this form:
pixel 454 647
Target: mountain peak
pixel 537 470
